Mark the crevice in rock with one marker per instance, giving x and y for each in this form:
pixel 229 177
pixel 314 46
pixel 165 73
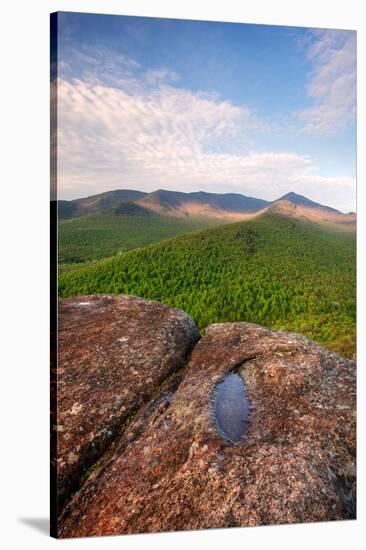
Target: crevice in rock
pixel 345 489
pixel 158 399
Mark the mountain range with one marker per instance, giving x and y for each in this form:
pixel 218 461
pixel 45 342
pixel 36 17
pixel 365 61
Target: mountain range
pixel 222 208
pixel 113 222
pixel 288 264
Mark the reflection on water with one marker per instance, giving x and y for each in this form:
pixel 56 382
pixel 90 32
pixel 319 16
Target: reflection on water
pixel 231 408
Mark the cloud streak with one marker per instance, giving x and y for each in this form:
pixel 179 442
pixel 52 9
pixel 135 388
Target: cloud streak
pixel 332 83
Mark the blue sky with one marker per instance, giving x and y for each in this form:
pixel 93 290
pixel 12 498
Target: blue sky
pixel 151 103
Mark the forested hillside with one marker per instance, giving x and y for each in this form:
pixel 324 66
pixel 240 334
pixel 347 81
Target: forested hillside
pixel 102 234
pixel 112 222
pixel 273 270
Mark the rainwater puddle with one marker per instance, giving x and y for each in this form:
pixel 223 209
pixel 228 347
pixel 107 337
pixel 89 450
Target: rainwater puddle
pixel 231 408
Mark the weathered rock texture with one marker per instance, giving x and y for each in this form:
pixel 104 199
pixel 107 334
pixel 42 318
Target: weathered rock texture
pixel 113 353
pixel 171 469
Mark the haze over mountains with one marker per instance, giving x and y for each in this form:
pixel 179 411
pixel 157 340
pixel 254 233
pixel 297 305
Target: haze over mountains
pixel 224 208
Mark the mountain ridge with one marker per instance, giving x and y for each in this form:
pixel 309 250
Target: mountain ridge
pixel 301 200
pixel 218 207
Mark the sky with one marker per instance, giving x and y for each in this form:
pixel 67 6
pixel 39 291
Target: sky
pixel 150 103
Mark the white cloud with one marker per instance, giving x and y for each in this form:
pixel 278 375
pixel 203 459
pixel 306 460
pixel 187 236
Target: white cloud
pixel 172 138
pixel 332 83
pixel 150 134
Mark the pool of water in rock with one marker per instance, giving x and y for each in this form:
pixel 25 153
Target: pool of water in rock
pixel 231 408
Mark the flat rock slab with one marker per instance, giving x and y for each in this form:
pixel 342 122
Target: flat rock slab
pixel 113 352
pixel 172 470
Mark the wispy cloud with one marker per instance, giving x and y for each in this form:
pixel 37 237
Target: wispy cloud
pixel 332 82
pixel 142 128
pixel 128 127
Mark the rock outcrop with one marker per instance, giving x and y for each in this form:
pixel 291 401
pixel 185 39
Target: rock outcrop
pixel 171 467
pixel 113 353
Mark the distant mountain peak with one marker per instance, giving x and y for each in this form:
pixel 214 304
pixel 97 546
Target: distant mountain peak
pixel 300 200
pixel 291 195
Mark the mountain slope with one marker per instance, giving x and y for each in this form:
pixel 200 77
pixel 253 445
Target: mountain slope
pixel 228 206
pixel 110 223
pixel 67 209
pixel 301 207
pixel 300 200
pixel 273 270
pixel 113 231
pixel 97 203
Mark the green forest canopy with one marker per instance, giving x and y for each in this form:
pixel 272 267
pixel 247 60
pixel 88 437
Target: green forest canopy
pixel 103 234
pixel 273 271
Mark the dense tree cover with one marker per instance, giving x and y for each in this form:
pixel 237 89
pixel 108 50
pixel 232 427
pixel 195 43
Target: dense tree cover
pixel 273 271
pixel 99 235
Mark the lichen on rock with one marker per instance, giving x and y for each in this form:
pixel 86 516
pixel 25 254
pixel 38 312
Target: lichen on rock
pixel 112 354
